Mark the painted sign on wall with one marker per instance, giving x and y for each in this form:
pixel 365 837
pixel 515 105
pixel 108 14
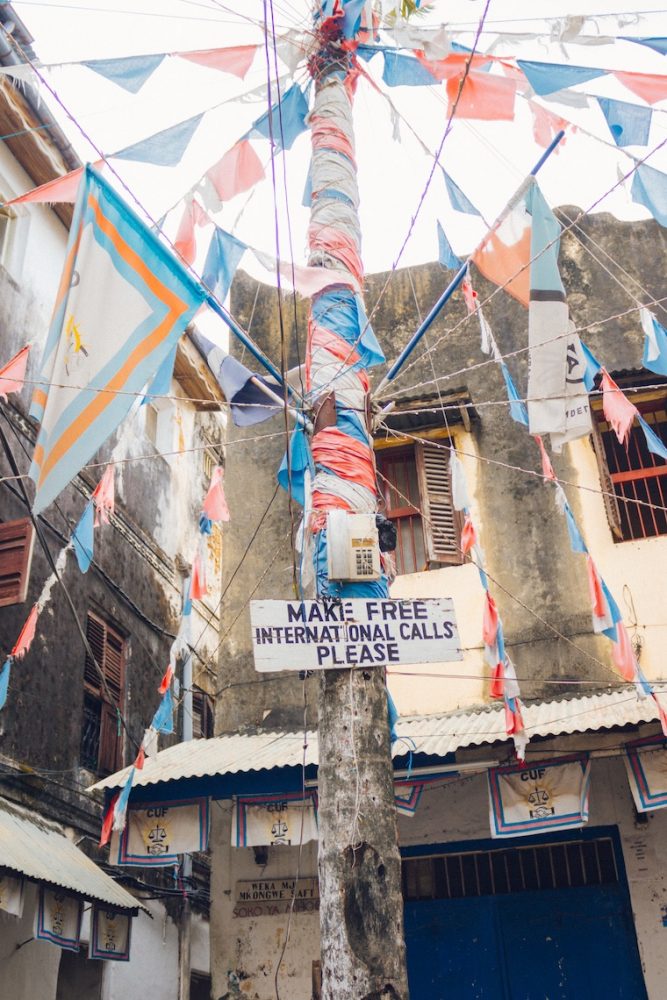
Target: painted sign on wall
pixel 316 635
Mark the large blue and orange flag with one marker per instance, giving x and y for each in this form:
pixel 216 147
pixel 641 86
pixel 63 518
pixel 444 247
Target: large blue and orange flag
pixel 122 304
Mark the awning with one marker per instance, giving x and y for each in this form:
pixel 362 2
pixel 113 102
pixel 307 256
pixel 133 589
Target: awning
pixel 33 847
pixel 434 735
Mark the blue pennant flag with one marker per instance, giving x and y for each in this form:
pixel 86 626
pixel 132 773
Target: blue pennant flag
pixel 291 118
pixel 629 124
pixel 657 44
pixel 653 442
pixel 307 196
pixel 460 202
pixel 83 537
pixel 161 384
pixel 392 717
pixel 164 149
pixel 446 255
pixel 248 404
pixel 4 681
pixel 300 461
pixel 405 71
pixel 163 720
pixel 593 366
pixel 518 411
pixel 129 72
pixel 223 258
pixel 655 344
pixel 547 78
pixel 576 541
pixel 649 188
pixel 616 615
pixel 352 17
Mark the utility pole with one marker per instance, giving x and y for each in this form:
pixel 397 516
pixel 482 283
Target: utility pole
pixel 185 921
pixel 361 904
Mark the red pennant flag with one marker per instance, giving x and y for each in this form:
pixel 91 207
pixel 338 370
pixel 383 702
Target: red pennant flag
pixel 103 496
pixel 468 535
pixel 24 641
pixel 651 87
pixel 185 243
pixel 107 823
pixel 490 621
pixel 483 97
pixel 238 170
pixel 595 590
pixel 547 467
pixel 215 504
pixel 623 654
pixel 469 296
pixel 166 680
pixel 62 189
pixel 141 757
pixel 236 59
pixel 198 587
pixel 617 408
pixel 497 678
pixel 13 374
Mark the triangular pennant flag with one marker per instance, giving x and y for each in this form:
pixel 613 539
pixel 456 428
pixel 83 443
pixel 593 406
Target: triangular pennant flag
pixel 286 125
pixel 165 148
pixel 490 621
pixel 653 442
pixel 166 679
pixel 546 78
pixel 198 585
pixel 120 808
pixel 649 188
pixel 238 171
pixel 405 71
pixel 593 366
pixel 301 461
pixel 27 634
pixel 623 654
pixel 215 504
pixel 504 256
pixel 107 823
pixel 617 408
pixel 140 758
pixel 496 688
pixel 103 496
pixel 4 681
pixel 13 374
pixel 248 404
pixel 651 87
pixel 83 537
pixel 352 10
pixel 62 189
pixel 655 344
pixel 163 720
pixel 547 467
pixel 598 602
pixel 185 242
pixel 460 202
pixel 161 384
pixel 468 535
pixel 483 97
pixel 518 411
pixel 129 72
pixel 629 124
pixel 657 44
pixel 222 260
pixel 237 59
pixel 453 64
pixel 446 255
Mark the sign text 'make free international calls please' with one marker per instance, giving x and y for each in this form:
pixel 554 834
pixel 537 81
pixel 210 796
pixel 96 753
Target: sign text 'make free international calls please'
pixel 320 635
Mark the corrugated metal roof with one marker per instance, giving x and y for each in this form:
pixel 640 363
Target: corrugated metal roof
pixel 437 735
pixel 31 846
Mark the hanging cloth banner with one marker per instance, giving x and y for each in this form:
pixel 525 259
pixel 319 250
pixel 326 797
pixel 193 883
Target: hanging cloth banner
pixel 272 820
pixel 110 934
pixel 11 895
pixel 504 256
pixel 58 918
pixel 150 301
pixel 407 794
pixel 646 764
pixel 157 832
pixel 548 795
pixel 248 404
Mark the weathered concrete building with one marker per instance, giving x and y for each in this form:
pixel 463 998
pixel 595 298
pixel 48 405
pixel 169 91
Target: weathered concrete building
pixel 61 726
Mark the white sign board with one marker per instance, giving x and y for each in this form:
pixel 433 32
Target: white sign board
pixel 320 635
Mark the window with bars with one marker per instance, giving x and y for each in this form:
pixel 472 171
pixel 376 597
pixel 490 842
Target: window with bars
pixel 510 870
pixel 16 545
pixel 416 486
pixel 101 742
pixel 202 714
pixel 630 472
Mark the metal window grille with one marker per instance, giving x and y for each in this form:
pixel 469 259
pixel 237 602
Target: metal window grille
pixel 631 472
pixel 509 870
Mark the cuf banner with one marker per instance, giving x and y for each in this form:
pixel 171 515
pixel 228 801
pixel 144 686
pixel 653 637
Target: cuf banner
pixel 122 304
pixel 157 832
pixel 58 918
pixel 549 795
pixel 646 764
pixel 274 820
pixel 110 932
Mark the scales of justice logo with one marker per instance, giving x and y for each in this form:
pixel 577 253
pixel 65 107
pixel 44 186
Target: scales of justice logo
pixel 541 797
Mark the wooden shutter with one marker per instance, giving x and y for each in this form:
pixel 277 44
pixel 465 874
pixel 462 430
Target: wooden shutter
pixel 16 544
pixel 611 506
pixel 442 525
pixel 202 715
pixel 108 647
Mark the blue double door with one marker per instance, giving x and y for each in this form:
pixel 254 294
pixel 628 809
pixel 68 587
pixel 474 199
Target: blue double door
pixel 572 943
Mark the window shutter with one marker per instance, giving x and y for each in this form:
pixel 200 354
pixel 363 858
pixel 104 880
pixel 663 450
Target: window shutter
pixel 108 647
pixel 611 507
pixel 16 544
pixel 95 633
pixel 110 743
pixel 442 525
pixel 202 715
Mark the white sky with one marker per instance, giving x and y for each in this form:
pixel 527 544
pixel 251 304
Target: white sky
pixel 488 160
